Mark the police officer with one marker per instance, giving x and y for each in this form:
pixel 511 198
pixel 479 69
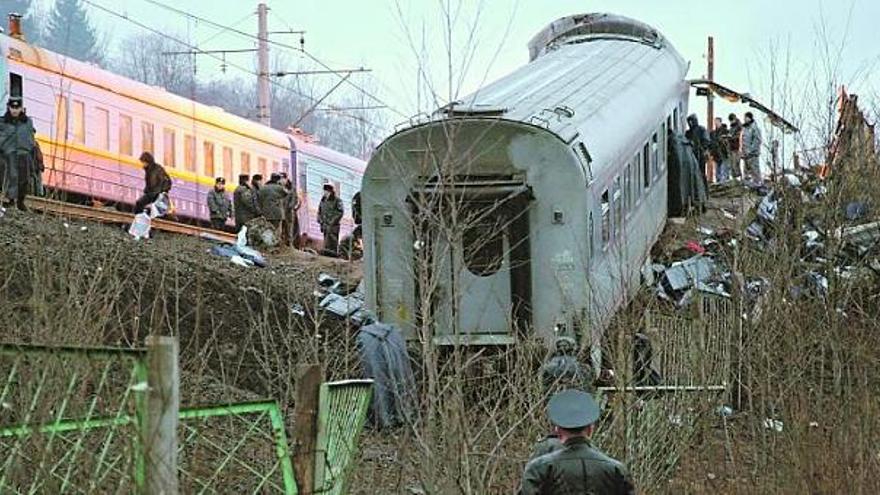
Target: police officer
pixel 17 146
pixel 578 467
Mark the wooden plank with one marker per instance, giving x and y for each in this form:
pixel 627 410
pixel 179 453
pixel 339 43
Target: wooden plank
pixel 305 426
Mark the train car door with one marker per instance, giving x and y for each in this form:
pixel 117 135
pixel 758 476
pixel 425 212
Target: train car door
pixel 482 268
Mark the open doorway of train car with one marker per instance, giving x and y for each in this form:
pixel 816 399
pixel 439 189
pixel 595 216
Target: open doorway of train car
pixel 474 256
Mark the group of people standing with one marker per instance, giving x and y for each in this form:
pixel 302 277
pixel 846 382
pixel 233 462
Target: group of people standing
pixel 728 145
pixel 21 161
pixel 275 200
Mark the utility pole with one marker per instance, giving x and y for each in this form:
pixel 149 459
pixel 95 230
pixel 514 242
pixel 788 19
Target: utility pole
pixel 263 108
pixel 710 75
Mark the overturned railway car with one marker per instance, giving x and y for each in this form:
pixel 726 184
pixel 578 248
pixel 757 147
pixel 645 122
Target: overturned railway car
pixel 530 206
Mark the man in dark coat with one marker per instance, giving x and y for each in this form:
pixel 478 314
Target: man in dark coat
pixel 720 150
pixel 271 198
pixel 356 208
pixel 244 202
pixel 290 224
pixel 578 467
pixel 156 181
pixel 734 131
pixel 330 213
pixel 700 141
pixel 17 147
pixel 219 206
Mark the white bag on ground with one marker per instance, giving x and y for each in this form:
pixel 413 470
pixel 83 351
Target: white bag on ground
pixel 140 227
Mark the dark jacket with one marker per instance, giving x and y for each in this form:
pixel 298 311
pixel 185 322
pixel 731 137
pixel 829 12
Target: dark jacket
pixel 356 208
pixel 720 144
pixel 330 211
pixel 548 444
pixel 576 469
pixel 157 180
pixel 699 138
pixel 219 205
pixel 245 205
pixel 271 199
pixel 17 134
pixel 735 134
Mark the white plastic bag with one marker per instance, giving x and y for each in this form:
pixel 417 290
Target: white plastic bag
pixel 160 206
pixel 140 227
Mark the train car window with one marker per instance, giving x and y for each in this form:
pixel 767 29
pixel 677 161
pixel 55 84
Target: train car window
pixel 208 148
pixel 227 164
pixel 189 153
pixel 245 162
pixel 483 241
pixel 262 167
pixel 663 146
pixel 169 147
pixel 675 119
pixel 125 145
pixel 668 123
pixel 606 218
pixel 16 88
pixel 303 180
pixel 276 167
pixel 617 203
pixel 627 188
pixel 655 155
pixel 590 233
pixel 646 166
pixel 636 190
pixel 61 118
pixel 102 129
pixel 79 122
pixel 148 138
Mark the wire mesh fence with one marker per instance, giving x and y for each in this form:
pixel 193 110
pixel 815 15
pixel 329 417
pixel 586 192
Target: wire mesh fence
pixel 69 418
pixel 657 423
pixel 235 448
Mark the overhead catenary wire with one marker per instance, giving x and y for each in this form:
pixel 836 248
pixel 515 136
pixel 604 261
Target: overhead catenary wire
pixel 219 58
pixel 338 73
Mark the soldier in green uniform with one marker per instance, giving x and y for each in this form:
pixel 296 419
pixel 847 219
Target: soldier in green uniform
pixel 578 467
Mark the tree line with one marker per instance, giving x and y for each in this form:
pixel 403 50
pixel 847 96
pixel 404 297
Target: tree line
pixel 67 29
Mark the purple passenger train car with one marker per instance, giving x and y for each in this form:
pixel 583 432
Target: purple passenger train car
pixel 92 125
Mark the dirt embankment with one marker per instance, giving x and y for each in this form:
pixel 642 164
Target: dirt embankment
pixel 81 283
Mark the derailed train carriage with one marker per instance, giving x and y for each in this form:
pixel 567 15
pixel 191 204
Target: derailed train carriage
pixel 530 206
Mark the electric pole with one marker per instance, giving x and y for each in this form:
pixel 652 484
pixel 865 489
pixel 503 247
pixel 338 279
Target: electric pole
pixel 263 108
pixel 710 75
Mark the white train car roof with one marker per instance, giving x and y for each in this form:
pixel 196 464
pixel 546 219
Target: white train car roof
pixel 72 69
pixel 310 147
pixel 593 77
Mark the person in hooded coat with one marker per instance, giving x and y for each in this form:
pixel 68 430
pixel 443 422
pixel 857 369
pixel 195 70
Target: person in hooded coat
pixel 156 182
pixel 17 147
pixel 700 142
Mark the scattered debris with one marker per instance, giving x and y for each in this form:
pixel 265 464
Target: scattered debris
pixel 773 424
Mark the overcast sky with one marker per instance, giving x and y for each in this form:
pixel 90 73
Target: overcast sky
pixel 384 35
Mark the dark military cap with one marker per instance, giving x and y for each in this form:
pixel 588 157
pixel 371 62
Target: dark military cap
pixel 572 409
pixel 14 103
pixel 328 187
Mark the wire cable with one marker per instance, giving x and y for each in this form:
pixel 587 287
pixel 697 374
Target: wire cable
pixel 230 64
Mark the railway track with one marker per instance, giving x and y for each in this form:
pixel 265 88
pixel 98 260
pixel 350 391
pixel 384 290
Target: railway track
pixel 69 210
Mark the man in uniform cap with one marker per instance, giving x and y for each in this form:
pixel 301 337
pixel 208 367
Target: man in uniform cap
pixel 578 467
pixel 17 147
